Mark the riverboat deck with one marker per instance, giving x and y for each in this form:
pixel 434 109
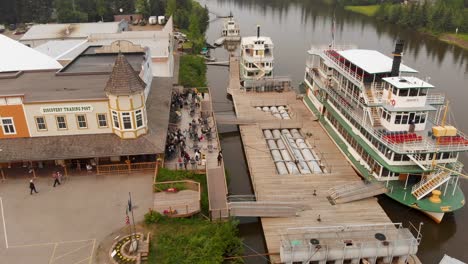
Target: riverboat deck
pixel 308 189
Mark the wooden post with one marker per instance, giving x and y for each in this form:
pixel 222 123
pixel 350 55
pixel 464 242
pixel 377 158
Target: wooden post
pixel 3 174
pixel 128 164
pixel 65 171
pixel 34 173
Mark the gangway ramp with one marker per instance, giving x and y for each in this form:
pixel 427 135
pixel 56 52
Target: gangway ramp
pixel 231 119
pixel 353 192
pixel 264 209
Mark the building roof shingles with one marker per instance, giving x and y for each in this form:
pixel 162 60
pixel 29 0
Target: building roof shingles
pixel 124 80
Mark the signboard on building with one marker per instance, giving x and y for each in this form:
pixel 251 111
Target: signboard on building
pixel 66 109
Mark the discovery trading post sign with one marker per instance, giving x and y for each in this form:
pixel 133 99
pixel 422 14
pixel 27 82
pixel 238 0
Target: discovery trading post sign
pixel 66 109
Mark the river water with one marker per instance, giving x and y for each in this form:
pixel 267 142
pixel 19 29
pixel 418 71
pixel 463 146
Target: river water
pixel 295 25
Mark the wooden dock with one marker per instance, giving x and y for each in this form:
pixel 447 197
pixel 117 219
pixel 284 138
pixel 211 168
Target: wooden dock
pixel 308 189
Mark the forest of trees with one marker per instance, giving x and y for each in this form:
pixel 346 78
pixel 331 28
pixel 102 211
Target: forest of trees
pixel 44 11
pixel 440 16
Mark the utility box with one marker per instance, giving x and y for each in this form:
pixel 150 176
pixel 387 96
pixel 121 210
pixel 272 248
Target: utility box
pixel 439 131
pixel 450 131
pixel 153 20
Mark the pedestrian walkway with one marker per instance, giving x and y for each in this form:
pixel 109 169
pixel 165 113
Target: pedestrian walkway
pixel 209 146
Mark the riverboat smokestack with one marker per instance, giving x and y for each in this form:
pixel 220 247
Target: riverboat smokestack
pixel 397 58
pixel 258 31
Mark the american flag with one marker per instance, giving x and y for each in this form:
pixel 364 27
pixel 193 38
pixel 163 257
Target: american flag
pixel 127 220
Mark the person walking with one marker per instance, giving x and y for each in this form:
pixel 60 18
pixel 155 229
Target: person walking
pixel 59 176
pixel 32 186
pixel 220 158
pixel 55 177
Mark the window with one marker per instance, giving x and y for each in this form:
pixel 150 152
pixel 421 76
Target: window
pixel 139 118
pixel 81 120
pixel 102 120
pixel 61 122
pixel 413 92
pixel 411 118
pixel 423 92
pixel 403 92
pixel 126 120
pixel 398 119
pixel 404 119
pixel 8 126
pixel 115 118
pixel 41 123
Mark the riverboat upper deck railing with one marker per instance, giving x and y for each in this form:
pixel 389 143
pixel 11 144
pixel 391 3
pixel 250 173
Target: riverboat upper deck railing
pixel 330 53
pixel 432 98
pixel 426 144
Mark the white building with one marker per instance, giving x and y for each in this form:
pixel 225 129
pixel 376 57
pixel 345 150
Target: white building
pixel 42 33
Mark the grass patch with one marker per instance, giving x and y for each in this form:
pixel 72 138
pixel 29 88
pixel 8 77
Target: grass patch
pixel 195 240
pixel 180 175
pixel 462 36
pixel 368 10
pixel 192 71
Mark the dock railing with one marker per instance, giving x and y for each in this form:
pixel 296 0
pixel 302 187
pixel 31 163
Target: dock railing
pixel 126 168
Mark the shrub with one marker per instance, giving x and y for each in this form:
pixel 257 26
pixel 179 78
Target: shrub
pixel 153 217
pixel 192 71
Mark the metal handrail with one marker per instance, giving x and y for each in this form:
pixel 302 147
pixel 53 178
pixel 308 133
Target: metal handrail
pixel 435 98
pixel 428 179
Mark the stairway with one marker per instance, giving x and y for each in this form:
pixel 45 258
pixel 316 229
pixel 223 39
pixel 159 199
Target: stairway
pixel 353 192
pixel 370 96
pixel 374 113
pixel 262 71
pixel 419 159
pixel 375 117
pixel 427 185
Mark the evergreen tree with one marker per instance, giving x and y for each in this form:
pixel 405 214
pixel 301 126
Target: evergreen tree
pixel 157 7
pixel 142 7
pixel 171 7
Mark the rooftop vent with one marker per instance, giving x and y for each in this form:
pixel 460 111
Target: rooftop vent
pixel 314 241
pixel 380 237
pixel 403 80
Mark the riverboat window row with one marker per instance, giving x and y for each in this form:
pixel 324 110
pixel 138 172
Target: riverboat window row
pixel 405 118
pixel 359 149
pixel 263 64
pixel 409 92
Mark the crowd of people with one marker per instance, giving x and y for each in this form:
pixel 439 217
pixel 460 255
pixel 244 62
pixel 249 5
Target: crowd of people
pixel 196 130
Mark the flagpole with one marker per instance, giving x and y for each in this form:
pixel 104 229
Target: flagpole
pixel 133 217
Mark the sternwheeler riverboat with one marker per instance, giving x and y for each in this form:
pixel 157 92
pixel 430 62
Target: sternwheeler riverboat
pixel 389 124
pixel 231 30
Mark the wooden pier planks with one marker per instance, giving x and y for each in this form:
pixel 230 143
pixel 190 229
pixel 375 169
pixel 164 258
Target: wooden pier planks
pixel 269 186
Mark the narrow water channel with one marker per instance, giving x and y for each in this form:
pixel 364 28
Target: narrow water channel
pixel 239 183
pixel 295 25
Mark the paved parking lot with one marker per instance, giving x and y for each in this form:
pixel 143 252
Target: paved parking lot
pixel 65 224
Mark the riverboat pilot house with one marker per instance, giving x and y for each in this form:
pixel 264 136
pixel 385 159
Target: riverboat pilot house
pixel 103 107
